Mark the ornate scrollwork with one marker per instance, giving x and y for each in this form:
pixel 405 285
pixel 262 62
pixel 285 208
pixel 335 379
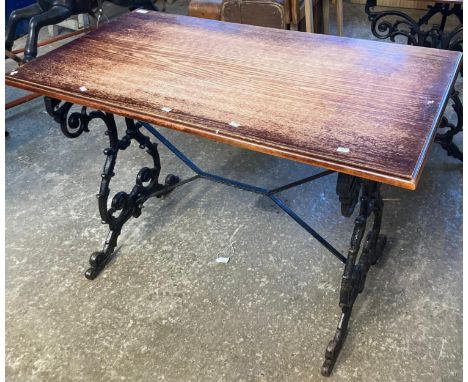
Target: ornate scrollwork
pixel 123 205
pixel 383 28
pixel 390 24
pixel 355 272
pixel 72 125
pixel 445 139
pixel 454 40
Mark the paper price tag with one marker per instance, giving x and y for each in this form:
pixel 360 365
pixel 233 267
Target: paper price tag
pixel 343 150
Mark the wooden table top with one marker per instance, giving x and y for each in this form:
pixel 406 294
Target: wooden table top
pixel 360 107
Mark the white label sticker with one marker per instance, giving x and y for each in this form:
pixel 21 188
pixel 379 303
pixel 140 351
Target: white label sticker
pixel 142 11
pixel 222 260
pixel 343 150
pixel 83 88
pixel 234 124
pixel 166 109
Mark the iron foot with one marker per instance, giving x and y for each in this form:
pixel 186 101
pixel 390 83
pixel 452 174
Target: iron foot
pixel 97 262
pixel 335 345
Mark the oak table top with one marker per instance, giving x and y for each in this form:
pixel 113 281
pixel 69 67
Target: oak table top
pixel 359 107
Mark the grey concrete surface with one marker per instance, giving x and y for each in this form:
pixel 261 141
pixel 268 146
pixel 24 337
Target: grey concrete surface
pixel 165 311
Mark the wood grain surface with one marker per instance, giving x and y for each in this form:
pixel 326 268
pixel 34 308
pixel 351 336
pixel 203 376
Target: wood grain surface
pixel 360 107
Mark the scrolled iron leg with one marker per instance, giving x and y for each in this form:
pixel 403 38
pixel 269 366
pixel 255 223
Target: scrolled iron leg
pixel 446 139
pixel 99 260
pixel 123 205
pixel 355 272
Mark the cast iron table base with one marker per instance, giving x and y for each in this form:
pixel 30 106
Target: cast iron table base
pixel 351 191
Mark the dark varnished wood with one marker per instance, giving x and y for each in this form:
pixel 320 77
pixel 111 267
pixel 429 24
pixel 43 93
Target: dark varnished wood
pixel 295 95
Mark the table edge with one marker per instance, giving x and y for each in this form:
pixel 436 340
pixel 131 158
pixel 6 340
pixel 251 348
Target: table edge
pixel 440 113
pixel 409 183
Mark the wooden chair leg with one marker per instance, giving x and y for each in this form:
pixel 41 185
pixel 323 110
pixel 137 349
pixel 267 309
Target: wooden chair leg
pixel 339 17
pixel 326 16
pixel 318 16
pixel 309 16
pixel 21 100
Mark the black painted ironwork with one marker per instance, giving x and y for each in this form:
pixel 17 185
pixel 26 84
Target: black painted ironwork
pixel 389 24
pixel 445 139
pixel 254 189
pixel 123 206
pixel 356 268
pixel 348 189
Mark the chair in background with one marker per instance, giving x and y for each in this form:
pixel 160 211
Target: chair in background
pixel 282 14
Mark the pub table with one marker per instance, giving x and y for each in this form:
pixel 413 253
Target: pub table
pixel 366 110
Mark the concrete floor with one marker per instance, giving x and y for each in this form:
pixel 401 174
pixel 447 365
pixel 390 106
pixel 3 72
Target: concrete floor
pixel 164 310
